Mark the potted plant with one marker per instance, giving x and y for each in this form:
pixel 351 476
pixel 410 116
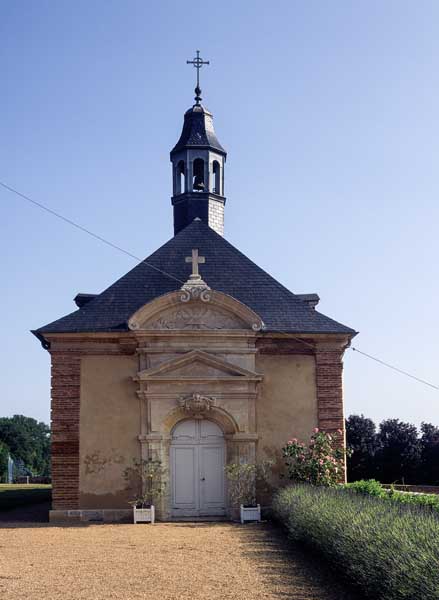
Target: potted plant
pixel 145 478
pixel 243 479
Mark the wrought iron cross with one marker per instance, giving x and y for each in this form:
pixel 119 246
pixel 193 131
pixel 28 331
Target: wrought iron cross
pixel 198 63
pixel 195 260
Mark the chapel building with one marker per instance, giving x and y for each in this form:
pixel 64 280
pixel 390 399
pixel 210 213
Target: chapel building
pixel 197 357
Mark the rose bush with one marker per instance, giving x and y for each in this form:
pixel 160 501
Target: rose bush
pixel 320 462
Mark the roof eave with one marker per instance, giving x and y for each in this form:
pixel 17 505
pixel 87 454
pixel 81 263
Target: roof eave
pixel 180 147
pixel 45 343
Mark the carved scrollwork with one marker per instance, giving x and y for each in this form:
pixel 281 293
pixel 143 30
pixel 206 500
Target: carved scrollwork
pixel 185 295
pixel 133 324
pixel 196 405
pixel 195 293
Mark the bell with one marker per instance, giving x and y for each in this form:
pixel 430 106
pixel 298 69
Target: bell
pixel 198 184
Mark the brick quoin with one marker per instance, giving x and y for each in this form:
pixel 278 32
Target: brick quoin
pixel 329 380
pixel 65 394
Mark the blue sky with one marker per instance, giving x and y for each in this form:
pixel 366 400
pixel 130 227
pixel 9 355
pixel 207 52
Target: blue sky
pixel 329 115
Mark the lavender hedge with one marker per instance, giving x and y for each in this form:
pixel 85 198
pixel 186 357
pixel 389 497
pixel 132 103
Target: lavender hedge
pixel 388 550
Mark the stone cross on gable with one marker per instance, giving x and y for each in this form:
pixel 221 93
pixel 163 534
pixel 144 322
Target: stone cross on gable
pixel 195 288
pixel 195 260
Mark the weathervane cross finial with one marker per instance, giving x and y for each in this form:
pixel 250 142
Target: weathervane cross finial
pixel 198 63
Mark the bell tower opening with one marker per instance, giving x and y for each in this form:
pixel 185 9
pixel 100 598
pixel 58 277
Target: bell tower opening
pixel 216 177
pixel 180 178
pixel 198 184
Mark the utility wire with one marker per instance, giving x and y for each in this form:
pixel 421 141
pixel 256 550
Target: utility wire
pixel 381 362
pixel 395 368
pixel 95 235
pixel 144 262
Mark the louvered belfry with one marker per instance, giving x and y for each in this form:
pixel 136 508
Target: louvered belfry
pixel 198 161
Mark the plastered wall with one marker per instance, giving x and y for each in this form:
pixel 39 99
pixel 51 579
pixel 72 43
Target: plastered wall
pixel 109 427
pixel 287 404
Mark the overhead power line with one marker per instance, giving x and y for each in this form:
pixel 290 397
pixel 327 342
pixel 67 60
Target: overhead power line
pixel 83 229
pixel 436 387
pixel 378 360
pixel 144 262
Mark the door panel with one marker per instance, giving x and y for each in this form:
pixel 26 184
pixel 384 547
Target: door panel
pixel 186 431
pixel 212 479
pixel 197 469
pixel 184 477
pixel 209 431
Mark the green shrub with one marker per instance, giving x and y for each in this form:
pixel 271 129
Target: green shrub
pixel 372 487
pixel 426 500
pixel 388 550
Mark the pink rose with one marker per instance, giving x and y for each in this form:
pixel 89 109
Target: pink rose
pixel 316 430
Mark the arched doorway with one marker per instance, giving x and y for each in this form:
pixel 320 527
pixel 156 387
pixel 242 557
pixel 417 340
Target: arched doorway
pixel 197 469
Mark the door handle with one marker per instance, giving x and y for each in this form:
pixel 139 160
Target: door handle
pixel 203 479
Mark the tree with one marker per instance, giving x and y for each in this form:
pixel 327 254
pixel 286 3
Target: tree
pixel 4 453
pixel 362 440
pixel 429 470
pixel 398 457
pixel 28 441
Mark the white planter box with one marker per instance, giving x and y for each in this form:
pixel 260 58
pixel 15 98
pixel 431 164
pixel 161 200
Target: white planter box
pixel 144 515
pixel 250 513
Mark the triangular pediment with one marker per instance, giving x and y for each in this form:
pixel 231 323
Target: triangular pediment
pixel 197 364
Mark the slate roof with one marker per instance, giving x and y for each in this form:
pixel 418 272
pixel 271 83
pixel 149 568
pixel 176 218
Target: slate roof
pixel 226 269
pixel 198 131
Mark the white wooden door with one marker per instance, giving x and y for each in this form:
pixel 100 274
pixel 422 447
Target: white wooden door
pixel 197 469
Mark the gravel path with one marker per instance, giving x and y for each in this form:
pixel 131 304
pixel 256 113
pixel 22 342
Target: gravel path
pixel 181 561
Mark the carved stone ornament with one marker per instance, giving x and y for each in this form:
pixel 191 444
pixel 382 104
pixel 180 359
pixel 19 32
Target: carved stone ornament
pixel 196 316
pixel 195 306
pixel 196 405
pixel 195 292
pixel 195 288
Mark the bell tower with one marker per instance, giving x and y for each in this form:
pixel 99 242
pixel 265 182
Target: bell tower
pixel 198 167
